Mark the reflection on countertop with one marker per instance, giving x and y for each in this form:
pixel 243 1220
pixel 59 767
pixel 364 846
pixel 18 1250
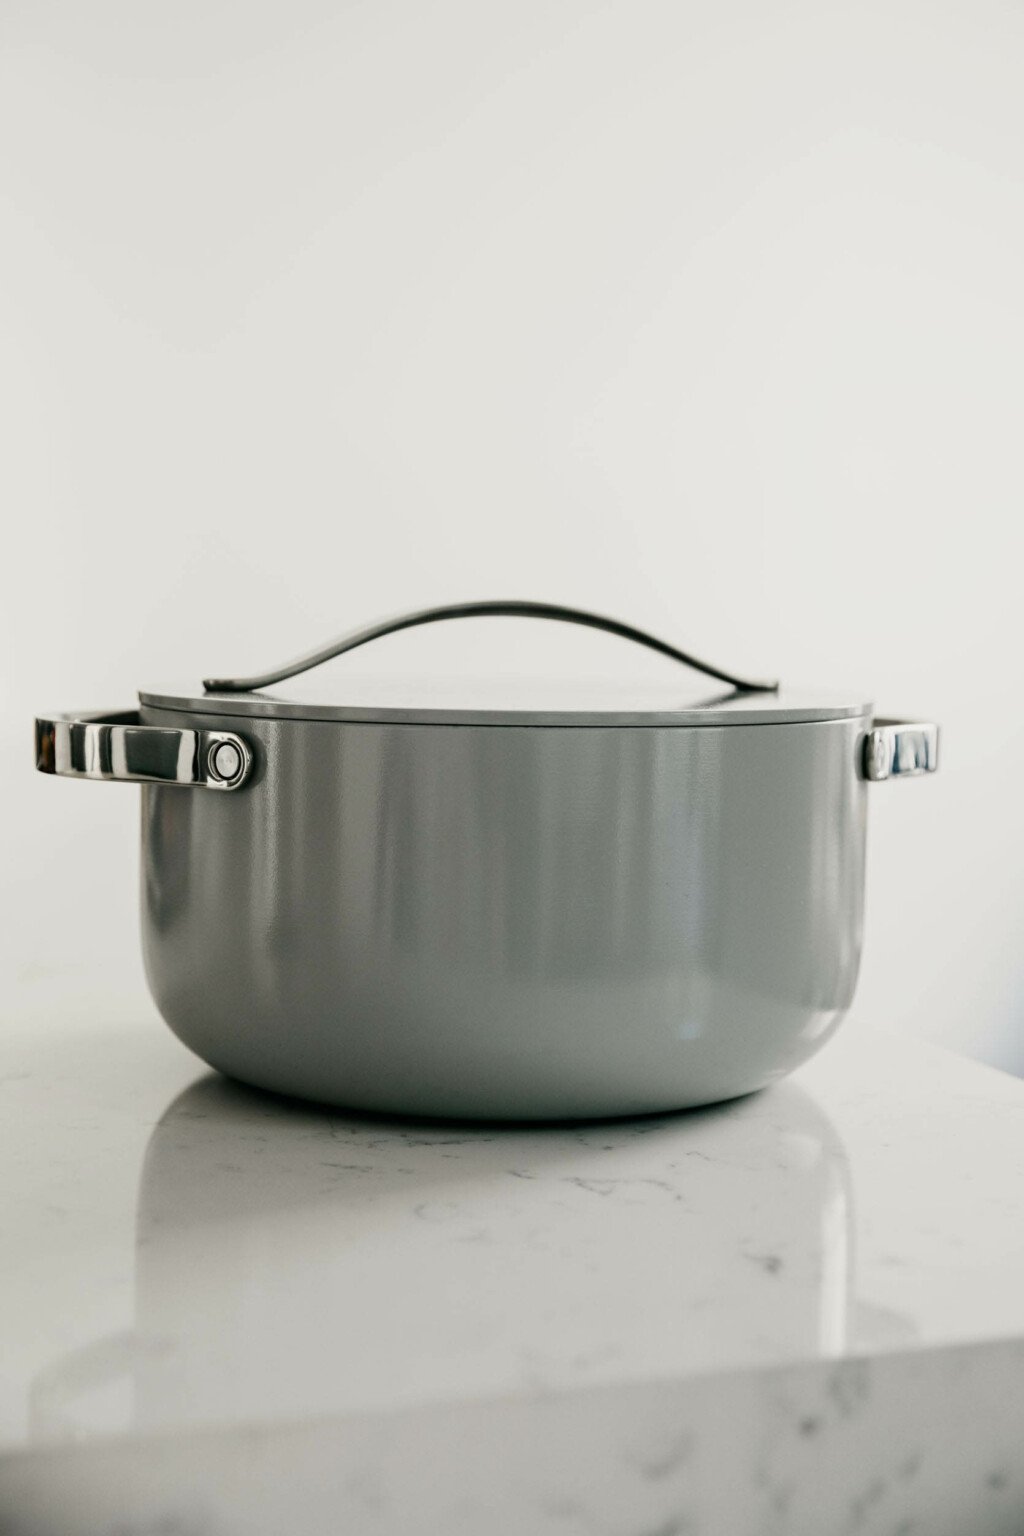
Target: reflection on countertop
pixel 191 1255
pixel 292 1260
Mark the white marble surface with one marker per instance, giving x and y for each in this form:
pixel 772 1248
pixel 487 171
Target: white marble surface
pixel 919 1444
pixel 189 1262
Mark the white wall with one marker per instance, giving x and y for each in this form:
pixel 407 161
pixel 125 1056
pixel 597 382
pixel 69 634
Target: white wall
pixel 707 314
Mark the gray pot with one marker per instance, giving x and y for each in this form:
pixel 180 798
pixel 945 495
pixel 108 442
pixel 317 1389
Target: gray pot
pixel 499 906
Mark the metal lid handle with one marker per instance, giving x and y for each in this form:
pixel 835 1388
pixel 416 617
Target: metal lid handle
pixel 494 609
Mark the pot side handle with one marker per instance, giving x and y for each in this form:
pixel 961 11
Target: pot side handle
pixel 900 749
pixel 116 746
pixel 497 608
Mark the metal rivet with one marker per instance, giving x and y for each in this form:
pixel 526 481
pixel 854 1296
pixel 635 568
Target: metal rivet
pixel 225 761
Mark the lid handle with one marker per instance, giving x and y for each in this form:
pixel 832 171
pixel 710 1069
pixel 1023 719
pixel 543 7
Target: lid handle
pixel 499 608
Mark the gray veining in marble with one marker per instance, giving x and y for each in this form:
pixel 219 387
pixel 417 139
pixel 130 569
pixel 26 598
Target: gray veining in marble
pixel 212 1279
pixel 919 1444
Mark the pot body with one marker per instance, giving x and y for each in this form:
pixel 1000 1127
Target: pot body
pixel 510 922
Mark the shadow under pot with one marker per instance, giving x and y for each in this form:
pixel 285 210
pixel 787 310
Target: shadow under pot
pixel 493 899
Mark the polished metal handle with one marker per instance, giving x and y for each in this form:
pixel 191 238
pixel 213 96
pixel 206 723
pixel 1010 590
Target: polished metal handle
pixel 895 749
pixel 117 746
pixel 498 608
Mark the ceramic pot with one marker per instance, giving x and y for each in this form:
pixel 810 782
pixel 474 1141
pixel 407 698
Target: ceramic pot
pixel 494 902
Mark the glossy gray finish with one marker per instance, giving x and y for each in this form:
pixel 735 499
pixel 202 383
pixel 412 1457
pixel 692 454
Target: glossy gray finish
pixel 500 608
pixel 114 745
pixel 523 922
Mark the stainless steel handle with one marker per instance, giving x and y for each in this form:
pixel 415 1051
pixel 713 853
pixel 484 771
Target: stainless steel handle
pixel 493 609
pixel 895 749
pixel 117 746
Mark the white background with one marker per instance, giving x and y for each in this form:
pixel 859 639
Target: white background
pixel 705 314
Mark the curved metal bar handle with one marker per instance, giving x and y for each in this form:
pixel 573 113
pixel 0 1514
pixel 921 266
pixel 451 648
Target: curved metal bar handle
pixel 118 747
pixel 900 749
pixel 498 608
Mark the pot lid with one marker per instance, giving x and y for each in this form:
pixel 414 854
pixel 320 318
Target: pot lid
pixel 412 700
pixel 717 698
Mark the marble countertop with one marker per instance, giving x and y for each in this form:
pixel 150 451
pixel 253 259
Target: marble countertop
pixel 199 1276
